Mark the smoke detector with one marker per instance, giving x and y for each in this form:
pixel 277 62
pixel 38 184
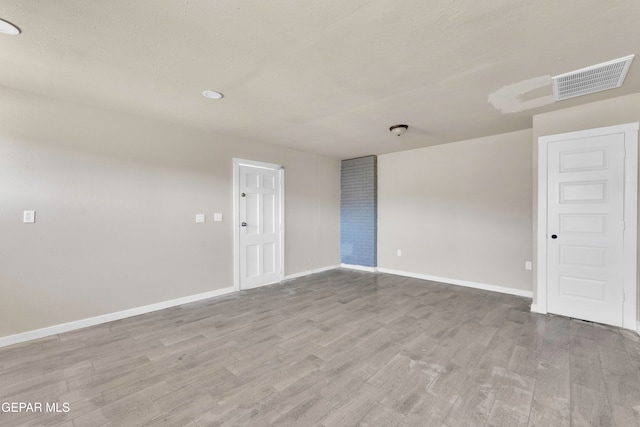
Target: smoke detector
pixel 596 78
pixel 212 94
pixel 7 27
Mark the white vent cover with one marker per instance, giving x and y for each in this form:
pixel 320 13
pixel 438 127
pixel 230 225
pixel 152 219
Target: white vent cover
pixel 608 75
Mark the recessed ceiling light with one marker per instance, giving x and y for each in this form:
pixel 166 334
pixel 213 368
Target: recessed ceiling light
pixel 212 94
pixel 8 28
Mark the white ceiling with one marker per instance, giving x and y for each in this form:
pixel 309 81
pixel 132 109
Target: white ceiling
pixel 328 76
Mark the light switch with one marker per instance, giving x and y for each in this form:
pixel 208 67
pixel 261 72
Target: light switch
pixel 527 265
pixel 199 217
pixel 217 217
pixel 29 217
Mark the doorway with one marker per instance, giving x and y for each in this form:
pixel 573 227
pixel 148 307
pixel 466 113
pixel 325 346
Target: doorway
pixel 587 225
pixel 258 223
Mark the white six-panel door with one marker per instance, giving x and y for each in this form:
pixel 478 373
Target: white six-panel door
pixel 259 221
pixel 585 228
pixel 588 232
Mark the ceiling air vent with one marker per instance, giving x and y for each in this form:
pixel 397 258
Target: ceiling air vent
pixel 608 75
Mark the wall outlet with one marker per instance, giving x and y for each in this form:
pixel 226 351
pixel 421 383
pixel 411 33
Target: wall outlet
pixel 399 252
pixel 29 217
pixel 528 265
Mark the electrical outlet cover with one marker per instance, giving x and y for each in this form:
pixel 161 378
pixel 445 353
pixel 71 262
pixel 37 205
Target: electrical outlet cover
pixel 29 217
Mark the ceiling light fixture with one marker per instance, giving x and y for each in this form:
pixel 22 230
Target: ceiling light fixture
pixel 212 94
pixel 398 130
pixel 8 28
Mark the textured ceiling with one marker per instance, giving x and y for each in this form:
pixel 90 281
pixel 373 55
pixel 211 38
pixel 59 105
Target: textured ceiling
pixel 325 76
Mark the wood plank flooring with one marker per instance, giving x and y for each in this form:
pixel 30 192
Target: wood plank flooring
pixel 340 348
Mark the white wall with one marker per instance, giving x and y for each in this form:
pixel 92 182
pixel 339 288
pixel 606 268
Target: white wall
pixel 459 211
pixel 116 197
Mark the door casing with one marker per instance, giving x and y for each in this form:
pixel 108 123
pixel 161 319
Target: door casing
pixel 236 214
pixel 630 284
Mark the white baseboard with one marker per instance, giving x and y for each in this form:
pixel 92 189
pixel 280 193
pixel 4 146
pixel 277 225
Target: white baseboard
pixel 534 309
pixel 97 320
pixel 475 285
pixel 360 268
pixel 92 321
pixel 308 272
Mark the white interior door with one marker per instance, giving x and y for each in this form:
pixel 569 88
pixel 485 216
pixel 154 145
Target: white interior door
pixel 587 250
pixel 259 220
pixel 585 228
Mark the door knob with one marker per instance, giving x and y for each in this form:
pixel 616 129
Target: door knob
pixel 244 224
pixel 554 236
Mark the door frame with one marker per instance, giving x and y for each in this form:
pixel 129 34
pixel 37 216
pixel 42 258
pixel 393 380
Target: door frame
pixel 236 214
pixel 630 236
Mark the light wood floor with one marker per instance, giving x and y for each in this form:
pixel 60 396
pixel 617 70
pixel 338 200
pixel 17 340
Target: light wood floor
pixel 340 348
